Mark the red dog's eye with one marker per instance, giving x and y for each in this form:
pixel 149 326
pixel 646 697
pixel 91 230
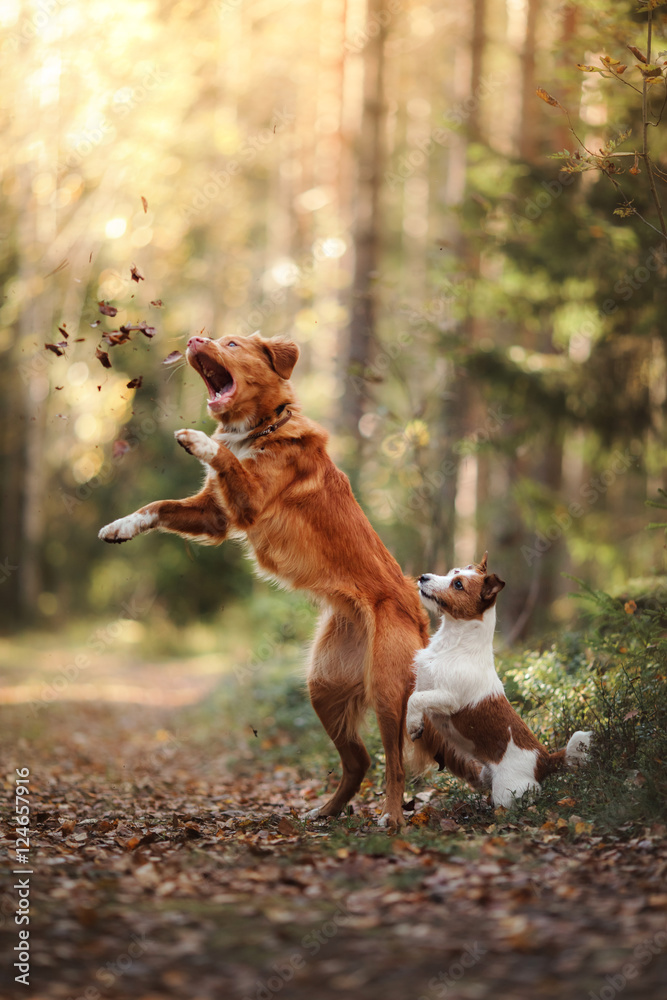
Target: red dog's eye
pixel 232 344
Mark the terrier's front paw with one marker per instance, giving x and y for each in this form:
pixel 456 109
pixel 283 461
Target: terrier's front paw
pixel 127 527
pixel 415 725
pixel 197 443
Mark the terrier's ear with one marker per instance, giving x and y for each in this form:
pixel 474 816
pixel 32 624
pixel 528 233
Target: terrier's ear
pixel 282 354
pixel 492 585
pixel 482 565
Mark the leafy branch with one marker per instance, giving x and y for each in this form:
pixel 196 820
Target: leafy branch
pixel 653 74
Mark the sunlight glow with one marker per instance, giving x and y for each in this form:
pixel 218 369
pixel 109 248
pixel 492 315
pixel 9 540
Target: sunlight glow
pixel 115 228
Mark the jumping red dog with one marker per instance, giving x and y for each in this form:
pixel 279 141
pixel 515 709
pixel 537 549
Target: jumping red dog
pixel 270 480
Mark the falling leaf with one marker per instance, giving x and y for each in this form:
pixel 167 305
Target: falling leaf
pixel 55 348
pixel 631 714
pixel 136 274
pixel 157 303
pixel 106 309
pixel 143 327
pixel 135 383
pixel 120 447
pixel 544 96
pixel 116 337
pixel 61 329
pixel 630 607
pixel 172 358
pixel 59 387
pixel 102 357
pixel 144 203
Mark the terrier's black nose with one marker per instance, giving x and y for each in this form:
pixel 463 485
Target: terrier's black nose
pixel 424 577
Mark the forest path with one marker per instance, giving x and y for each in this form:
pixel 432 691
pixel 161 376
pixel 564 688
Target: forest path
pixel 169 867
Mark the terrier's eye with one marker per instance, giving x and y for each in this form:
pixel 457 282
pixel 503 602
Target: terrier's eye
pixel 458 584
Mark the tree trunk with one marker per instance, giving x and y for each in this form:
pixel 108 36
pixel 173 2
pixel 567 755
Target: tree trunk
pixel 361 329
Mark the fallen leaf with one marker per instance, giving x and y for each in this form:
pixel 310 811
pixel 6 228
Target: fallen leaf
pixel 287 828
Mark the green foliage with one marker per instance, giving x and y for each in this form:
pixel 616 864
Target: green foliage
pixel 609 677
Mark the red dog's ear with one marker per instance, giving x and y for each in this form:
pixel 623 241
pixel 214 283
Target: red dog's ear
pixel 282 354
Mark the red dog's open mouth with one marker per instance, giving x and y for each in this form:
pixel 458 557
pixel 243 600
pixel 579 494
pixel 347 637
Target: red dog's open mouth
pixel 219 382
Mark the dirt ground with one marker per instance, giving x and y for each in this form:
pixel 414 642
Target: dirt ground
pixel 167 868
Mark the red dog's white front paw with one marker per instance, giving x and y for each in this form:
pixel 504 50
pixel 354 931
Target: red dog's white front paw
pixel 197 443
pixel 127 527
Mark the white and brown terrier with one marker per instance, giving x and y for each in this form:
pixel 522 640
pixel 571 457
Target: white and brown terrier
pixel 460 693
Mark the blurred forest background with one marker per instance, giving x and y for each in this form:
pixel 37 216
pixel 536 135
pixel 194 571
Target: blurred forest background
pixel 480 332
